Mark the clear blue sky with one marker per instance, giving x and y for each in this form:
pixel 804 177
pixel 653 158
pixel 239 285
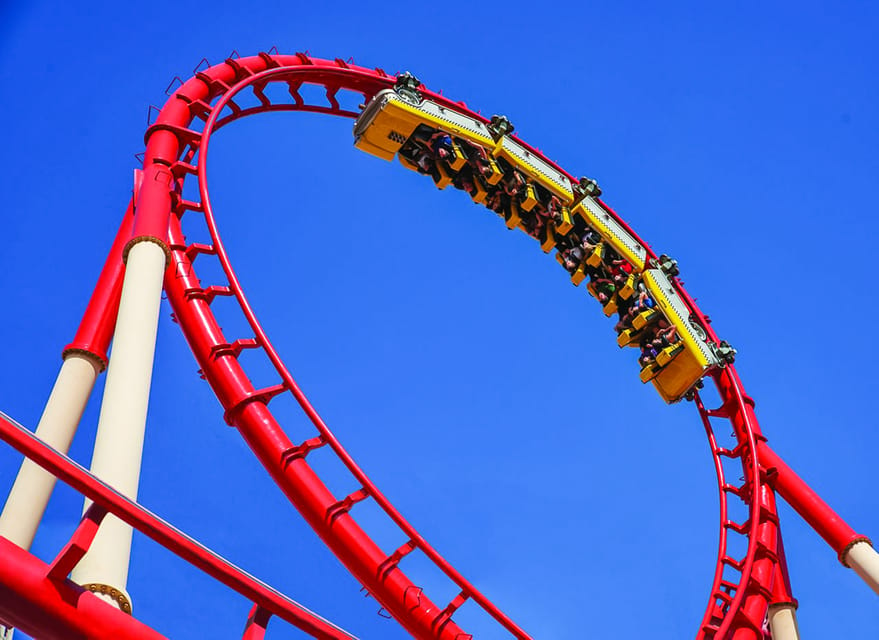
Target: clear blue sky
pixel 478 388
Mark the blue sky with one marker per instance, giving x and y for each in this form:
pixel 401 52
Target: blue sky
pixel 480 390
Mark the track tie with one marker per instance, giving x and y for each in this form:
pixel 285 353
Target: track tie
pixel 197 248
pixel 218 87
pixel 735 452
pixel 258 395
pixel 197 108
pixel 304 58
pixel 293 90
pixel 390 563
pixel 741 492
pixel 212 83
pixel 302 450
pixel 259 92
pixel 240 70
pixel 446 614
pixel 344 505
pixel 738 565
pixel 184 135
pixel 188 205
pixel 741 529
pixel 728 586
pixel 208 294
pixel 180 169
pixel 216 290
pixel 331 97
pixel 234 349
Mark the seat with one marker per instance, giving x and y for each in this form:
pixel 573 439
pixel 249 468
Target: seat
pixel 644 318
pixel 445 179
pixel 459 159
pixel 496 173
pixel 628 337
pixel 668 354
pixel 628 288
pixel 479 192
pixel 579 275
pixel 611 307
pixel 596 256
pixel 529 201
pixel 566 223
pixel 512 215
pixel 547 240
pixel 649 372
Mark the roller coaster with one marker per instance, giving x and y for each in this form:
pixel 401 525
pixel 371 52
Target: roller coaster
pixel 78 596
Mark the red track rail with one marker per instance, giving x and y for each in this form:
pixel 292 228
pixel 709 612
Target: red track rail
pixel 742 588
pixel 738 603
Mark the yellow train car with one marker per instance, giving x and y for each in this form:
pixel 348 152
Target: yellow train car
pixel 391 118
pixel 678 367
pixel 536 168
pixel 623 242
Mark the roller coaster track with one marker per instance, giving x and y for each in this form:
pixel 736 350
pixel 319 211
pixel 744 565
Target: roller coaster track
pixel 177 145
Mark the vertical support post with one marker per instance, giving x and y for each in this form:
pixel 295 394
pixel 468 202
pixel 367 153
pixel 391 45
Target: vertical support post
pixel 30 494
pixel 120 435
pixel 783 621
pixel 84 359
pixel 782 612
pixel 862 557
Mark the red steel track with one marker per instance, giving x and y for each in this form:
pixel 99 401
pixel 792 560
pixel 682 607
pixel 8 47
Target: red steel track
pixel 177 150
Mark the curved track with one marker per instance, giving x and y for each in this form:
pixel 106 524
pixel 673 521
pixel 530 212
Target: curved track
pixel 742 587
pixel 745 583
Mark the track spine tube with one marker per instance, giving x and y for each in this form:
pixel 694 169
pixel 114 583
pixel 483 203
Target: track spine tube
pixel 152 210
pixel 99 320
pixel 408 604
pixel 295 478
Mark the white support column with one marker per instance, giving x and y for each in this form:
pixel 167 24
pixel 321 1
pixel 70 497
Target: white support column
pixel 865 561
pixel 119 440
pixel 783 621
pixel 33 486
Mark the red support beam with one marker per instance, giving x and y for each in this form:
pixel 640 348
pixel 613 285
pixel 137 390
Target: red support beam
pixel 158 530
pixel 58 610
pixel 79 543
pixel 817 513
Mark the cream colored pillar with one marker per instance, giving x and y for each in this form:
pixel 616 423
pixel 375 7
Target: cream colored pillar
pixel 865 561
pixel 119 440
pixel 783 621
pixel 33 486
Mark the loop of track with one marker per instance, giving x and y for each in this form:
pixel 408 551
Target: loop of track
pixel 741 589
